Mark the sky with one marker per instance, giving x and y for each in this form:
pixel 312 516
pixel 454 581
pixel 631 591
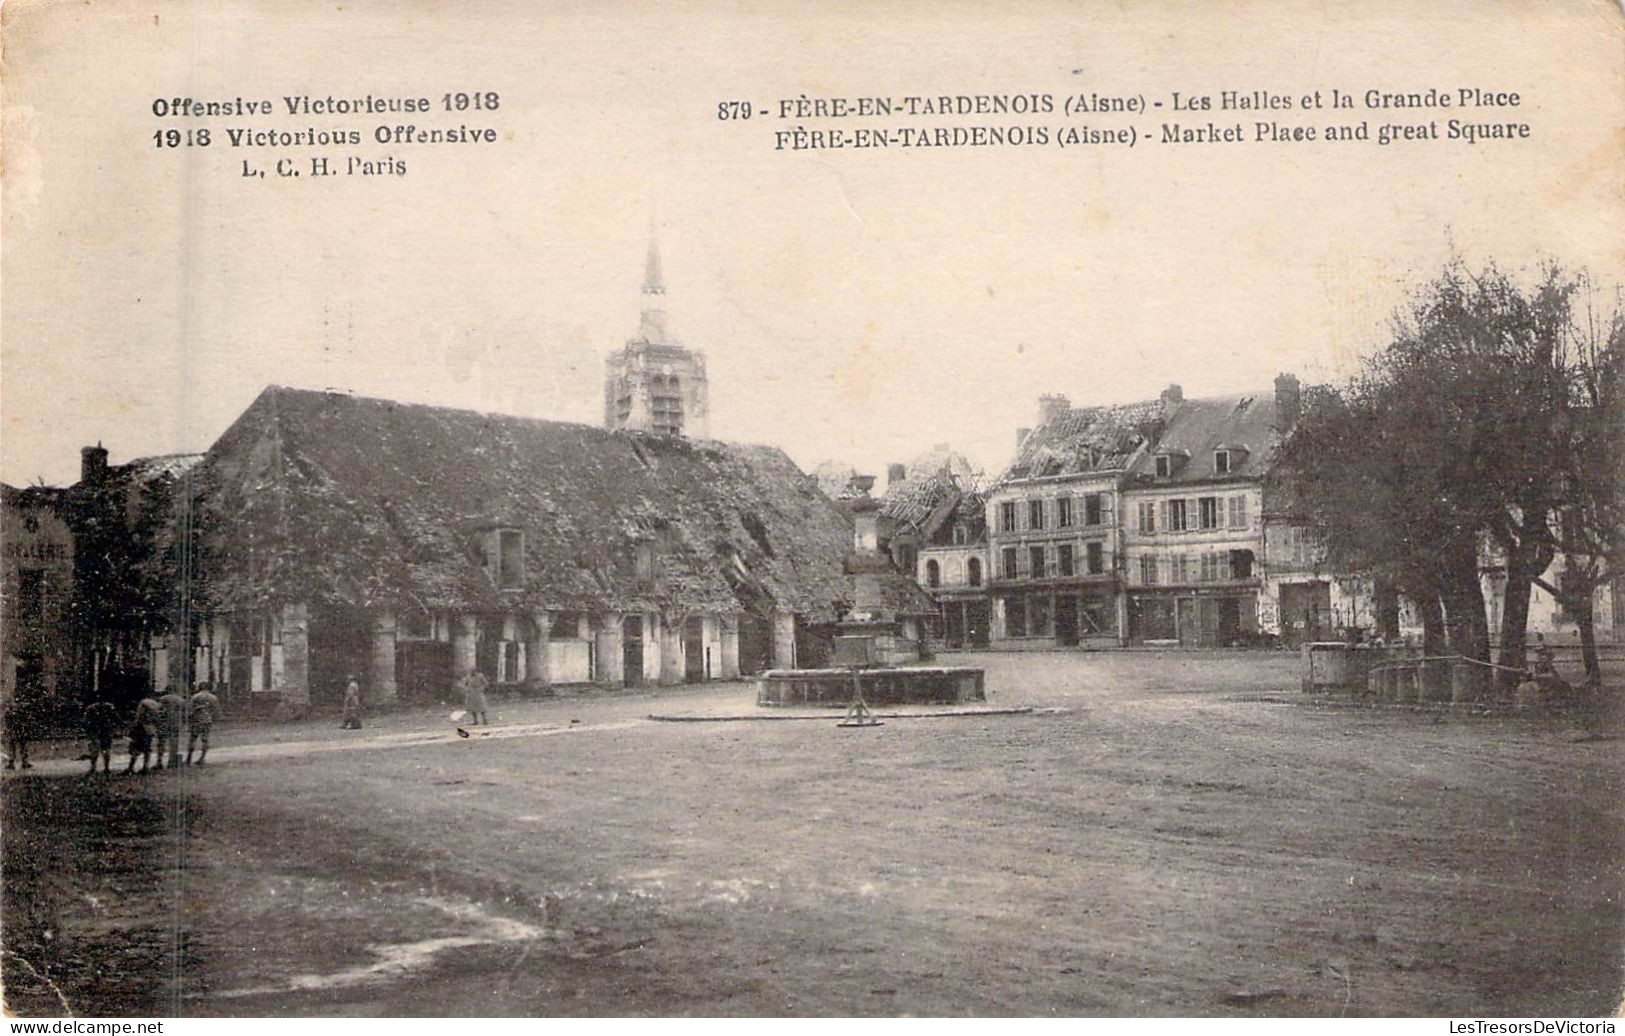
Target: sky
pixel 853 305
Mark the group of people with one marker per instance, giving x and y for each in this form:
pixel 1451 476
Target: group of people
pixel 159 722
pixel 157 725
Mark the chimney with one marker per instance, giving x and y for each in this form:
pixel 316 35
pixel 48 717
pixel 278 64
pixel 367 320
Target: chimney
pixel 1021 436
pixel 1288 401
pixel 1052 406
pixel 895 473
pixel 1173 395
pixel 92 463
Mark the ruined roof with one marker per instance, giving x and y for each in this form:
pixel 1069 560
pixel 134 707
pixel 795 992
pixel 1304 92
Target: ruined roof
pixel 967 509
pixel 913 501
pixel 1244 424
pixel 167 465
pixel 335 498
pixel 1086 440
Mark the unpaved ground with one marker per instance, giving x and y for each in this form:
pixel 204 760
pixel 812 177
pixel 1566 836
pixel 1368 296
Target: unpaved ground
pixel 1163 846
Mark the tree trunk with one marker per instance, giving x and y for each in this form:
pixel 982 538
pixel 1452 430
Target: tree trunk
pixel 1585 617
pixel 1464 604
pixel 1514 621
pixel 1387 608
pixel 1433 640
pixel 1431 613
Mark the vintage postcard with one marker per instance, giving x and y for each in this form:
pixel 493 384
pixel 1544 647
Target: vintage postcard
pixel 854 509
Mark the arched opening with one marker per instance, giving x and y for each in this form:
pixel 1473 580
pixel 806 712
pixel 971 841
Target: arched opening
pixel 933 573
pixel 973 570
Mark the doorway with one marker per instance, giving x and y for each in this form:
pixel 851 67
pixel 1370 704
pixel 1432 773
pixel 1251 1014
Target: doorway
pixel 755 644
pixel 696 663
pixel 1229 621
pixel 632 650
pixel 1066 620
pixel 977 623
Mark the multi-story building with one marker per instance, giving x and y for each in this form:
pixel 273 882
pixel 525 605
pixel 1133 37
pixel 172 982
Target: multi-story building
pixel 89 570
pixel 1193 529
pixel 1054 540
pixel 37 592
pixel 952 567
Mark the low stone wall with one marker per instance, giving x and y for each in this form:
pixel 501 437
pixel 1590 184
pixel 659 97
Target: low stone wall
pixel 914 685
pixel 1339 666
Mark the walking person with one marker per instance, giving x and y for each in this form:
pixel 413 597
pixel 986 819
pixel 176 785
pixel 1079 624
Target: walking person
pixel 352 705
pixel 200 721
pixel 171 717
pixel 142 732
pixel 100 721
pixel 19 720
pixel 474 686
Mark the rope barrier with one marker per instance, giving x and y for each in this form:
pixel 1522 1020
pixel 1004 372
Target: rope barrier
pixel 1411 663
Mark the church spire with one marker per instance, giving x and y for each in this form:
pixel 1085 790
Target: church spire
pixel 654 282
pixel 653 326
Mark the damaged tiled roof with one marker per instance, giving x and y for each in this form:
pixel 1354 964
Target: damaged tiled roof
pixel 912 501
pixel 334 498
pixel 1085 440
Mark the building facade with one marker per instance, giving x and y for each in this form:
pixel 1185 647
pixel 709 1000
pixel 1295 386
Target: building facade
pixel 1194 520
pixel 90 577
pixel 37 593
pixel 1054 536
pixel 953 570
pixel 538 552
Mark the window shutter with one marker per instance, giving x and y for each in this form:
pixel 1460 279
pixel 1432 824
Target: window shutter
pixel 1241 512
pixel 1163 506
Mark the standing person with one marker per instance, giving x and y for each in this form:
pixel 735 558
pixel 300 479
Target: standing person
pixel 352 705
pixel 200 722
pixel 142 732
pixel 170 720
pixel 19 719
pixel 100 721
pixel 474 686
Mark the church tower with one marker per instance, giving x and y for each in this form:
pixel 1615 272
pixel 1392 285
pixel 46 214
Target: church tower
pixel 655 383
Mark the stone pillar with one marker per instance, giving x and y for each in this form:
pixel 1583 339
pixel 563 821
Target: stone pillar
pixel 784 640
pixel 295 684
pixel 673 664
pixel 537 648
pixel 381 668
pixel 611 663
pixel 465 633
pixel 728 664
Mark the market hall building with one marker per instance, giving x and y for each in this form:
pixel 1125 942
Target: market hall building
pixel 407 544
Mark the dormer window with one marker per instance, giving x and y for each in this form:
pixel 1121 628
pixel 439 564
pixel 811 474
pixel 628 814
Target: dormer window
pixel 510 559
pixel 1165 465
pixel 1221 462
